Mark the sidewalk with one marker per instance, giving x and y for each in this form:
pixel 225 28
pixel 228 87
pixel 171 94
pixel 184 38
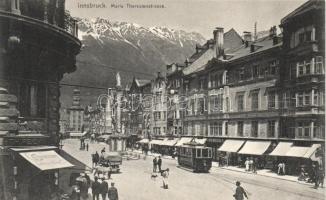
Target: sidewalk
pixel 262 172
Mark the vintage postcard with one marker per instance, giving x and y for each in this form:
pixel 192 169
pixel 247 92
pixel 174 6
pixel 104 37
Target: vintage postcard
pixel 162 99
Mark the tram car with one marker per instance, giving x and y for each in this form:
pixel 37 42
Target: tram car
pixel 197 158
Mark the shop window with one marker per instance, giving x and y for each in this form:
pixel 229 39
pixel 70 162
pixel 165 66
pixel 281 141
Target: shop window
pixel 205 153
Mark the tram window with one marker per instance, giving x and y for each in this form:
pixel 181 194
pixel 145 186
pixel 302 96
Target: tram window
pixel 198 153
pixel 205 153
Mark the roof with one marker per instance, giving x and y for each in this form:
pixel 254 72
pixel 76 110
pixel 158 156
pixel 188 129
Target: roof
pixel 141 82
pixel 199 60
pixel 309 5
pixel 261 44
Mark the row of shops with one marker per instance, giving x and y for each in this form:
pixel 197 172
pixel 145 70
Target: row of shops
pixel 234 152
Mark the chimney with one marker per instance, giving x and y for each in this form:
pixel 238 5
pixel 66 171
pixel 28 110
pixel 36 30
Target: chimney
pixel 273 34
pixel 247 38
pixel 219 40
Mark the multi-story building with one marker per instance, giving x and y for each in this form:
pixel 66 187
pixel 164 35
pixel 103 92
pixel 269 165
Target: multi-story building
pixel 174 89
pixel 76 113
pixel 302 86
pixel 38 46
pixel 159 106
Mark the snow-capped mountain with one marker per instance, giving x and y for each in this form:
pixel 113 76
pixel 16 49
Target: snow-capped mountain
pixel 129 48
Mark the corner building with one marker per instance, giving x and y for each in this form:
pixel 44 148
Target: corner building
pixel 38 44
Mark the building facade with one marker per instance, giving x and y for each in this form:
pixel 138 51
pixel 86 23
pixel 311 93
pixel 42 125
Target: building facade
pixel 38 45
pixel 76 113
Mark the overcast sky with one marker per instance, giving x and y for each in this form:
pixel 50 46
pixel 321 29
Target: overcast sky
pixel 201 16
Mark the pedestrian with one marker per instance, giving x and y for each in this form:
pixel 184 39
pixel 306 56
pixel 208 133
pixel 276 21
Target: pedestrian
pixel 103 150
pixel 97 158
pixel 113 192
pixel 109 172
pixel 239 192
pixel 254 165
pixel 96 189
pixel 154 164
pixel 251 163
pixel 280 169
pixel 165 175
pixel 87 147
pixel 247 164
pixel 104 187
pixel 159 163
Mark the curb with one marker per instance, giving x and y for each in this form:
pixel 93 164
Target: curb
pixel 303 183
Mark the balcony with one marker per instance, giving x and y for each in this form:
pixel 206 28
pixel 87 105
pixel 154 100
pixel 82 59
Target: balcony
pixel 41 16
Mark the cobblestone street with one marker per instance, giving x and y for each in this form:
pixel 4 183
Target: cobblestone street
pixel 134 181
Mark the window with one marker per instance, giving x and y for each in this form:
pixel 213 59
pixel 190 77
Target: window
pixel 227 102
pixel 271 128
pixel 273 67
pixel 286 100
pixel 240 128
pixel 300 68
pixel 255 71
pixel 226 128
pixel 202 84
pixel 303 98
pixel 303 129
pixel 240 101
pixel 157 115
pixel 306 98
pixel 271 100
pixel 216 128
pixel 254 129
pixel 217 103
pixel 301 37
pixel 319 65
pixel 241 74
pixel 32 100
pixel 198 154
pixel 254 100
pixel 201 106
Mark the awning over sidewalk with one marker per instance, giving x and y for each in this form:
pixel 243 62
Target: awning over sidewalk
pixel 201 141
pixel 303 152
pixel 255 147
pixel 46 160
pixel 143 141
pixel 170 143
pixel 156 142
pixel 231 145
pixel 183 140
pixel 281 149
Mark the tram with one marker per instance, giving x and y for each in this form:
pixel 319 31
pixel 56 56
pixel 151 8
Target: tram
pixel 197 158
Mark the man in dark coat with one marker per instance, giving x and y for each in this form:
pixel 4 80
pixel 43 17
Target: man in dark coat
pixel 104 187
pixel 96 189
pixel 113 193
pixel 159 163
pixel 239 192
pixel 96 157
pixel 154 164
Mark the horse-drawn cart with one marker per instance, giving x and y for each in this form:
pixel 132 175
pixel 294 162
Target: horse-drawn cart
pixel 109 163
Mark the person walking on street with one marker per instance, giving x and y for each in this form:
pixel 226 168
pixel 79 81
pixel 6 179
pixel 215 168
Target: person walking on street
pixel 103 150
pixel 239 192
pixel 96 189
pixel 247 163
pixel 154 164
pixel 113 193
pixel 97 158
pixel 109 172
pixel 87 147
pixel 159 163
pixel 104 187
pixel 165 176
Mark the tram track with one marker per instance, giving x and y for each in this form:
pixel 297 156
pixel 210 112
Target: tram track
pixel 226 179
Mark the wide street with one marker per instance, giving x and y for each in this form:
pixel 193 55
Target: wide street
pixel 135 183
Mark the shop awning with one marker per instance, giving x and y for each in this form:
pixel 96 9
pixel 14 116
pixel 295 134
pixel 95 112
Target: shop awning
pixel 231 145
pixel 255 147
pixel 183 140
pixel 46 160
pixel 170 143
pixel 281 149
pixel 201 141
pixel 303 152
pixel 143 141
pixel 76 134
pixel 156 142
